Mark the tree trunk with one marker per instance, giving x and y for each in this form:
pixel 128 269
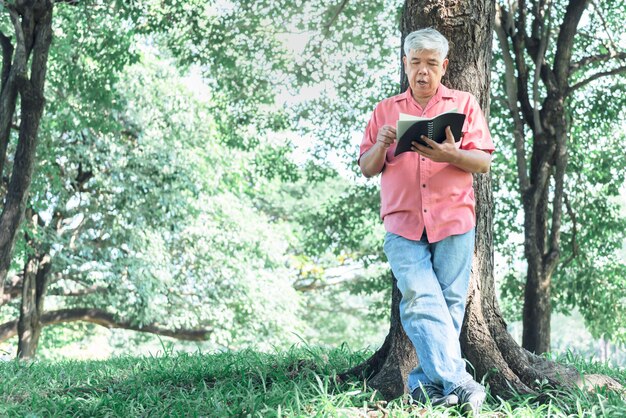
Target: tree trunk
pixel 542 237
pixel 485 341
pixel 537 310
pixel 36 274
pixel 32 22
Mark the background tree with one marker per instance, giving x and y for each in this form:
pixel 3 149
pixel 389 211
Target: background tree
pixel 563 125
pixel 24 64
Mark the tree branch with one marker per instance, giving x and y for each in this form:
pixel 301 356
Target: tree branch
pixel 536 10
pixel 537 46
pixel 542 174
pixel 501 22
pixel 335 275
pixel 593 59
pixel 8 97
pixel 306 286
pixel 519 43
pixel 8 6
pixel 80 292
pixel 331 22
pixel 7 56
pixel 107 320
pixel 314 44
pixel 614 71
pixel 572 216
pixel 42 33
pixel 612 47
pixel 82 177
pixel 557 203
pixel 21 54
pixel 565 41
pixel 544 36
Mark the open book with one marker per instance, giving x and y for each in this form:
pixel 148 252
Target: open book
pixel 411 128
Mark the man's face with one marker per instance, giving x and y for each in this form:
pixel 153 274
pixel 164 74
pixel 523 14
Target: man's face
pixel 424 70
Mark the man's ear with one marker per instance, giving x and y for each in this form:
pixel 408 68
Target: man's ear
pixel 404 62
pixel 444 64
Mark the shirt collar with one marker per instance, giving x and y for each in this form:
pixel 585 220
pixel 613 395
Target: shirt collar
pixel 442 93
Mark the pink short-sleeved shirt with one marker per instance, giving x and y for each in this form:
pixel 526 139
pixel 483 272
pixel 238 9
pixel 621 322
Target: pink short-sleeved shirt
pixel 416 192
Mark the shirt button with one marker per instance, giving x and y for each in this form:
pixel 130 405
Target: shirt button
pixel 423 159
pixel 423 185
pixel 425 210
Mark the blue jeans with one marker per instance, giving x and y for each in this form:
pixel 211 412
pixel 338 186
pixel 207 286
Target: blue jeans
pixel 433 279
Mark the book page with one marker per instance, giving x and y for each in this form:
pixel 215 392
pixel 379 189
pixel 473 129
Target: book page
pixel 406 116
pixel 402 126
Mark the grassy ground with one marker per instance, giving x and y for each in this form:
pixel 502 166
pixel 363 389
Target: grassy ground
pixel 298 382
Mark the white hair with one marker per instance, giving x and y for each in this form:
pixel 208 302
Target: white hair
pixel 426 39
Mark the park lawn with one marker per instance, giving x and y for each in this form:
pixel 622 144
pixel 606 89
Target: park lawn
pixel 296 382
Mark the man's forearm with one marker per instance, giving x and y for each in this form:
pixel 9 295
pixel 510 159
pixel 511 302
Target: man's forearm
pixel 373 160
pixel 473 161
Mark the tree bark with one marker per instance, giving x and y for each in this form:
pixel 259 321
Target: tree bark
pixel 32 22
pixel 8 98
pixel 107 320
pixel 536 312
pixel 36 274
pixel 485 341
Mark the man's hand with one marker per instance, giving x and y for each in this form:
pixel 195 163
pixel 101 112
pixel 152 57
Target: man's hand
pixel 373 160
pixel 386 136
pixel 472 161
pixel 446 152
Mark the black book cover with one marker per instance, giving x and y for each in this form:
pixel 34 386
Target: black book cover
pixel 435 129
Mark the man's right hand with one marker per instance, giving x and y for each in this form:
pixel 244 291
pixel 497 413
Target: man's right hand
pixel 373 160
pixel 386 136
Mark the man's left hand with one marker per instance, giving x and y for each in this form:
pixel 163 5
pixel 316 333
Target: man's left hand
pixel 446 152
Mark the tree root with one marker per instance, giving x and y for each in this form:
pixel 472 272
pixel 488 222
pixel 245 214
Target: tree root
pixel 496 359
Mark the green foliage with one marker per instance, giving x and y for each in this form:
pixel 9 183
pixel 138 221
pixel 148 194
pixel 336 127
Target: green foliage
pixel 301 381
pixel 150 212
pixel 183 205
pixel 348 224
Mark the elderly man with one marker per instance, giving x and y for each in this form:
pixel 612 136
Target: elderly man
pixel 427 207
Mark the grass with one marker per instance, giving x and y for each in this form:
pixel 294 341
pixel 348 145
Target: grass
pixel 296 382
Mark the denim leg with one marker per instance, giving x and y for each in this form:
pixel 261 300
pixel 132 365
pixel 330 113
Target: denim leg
pixel 424 311
pixel 452 262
